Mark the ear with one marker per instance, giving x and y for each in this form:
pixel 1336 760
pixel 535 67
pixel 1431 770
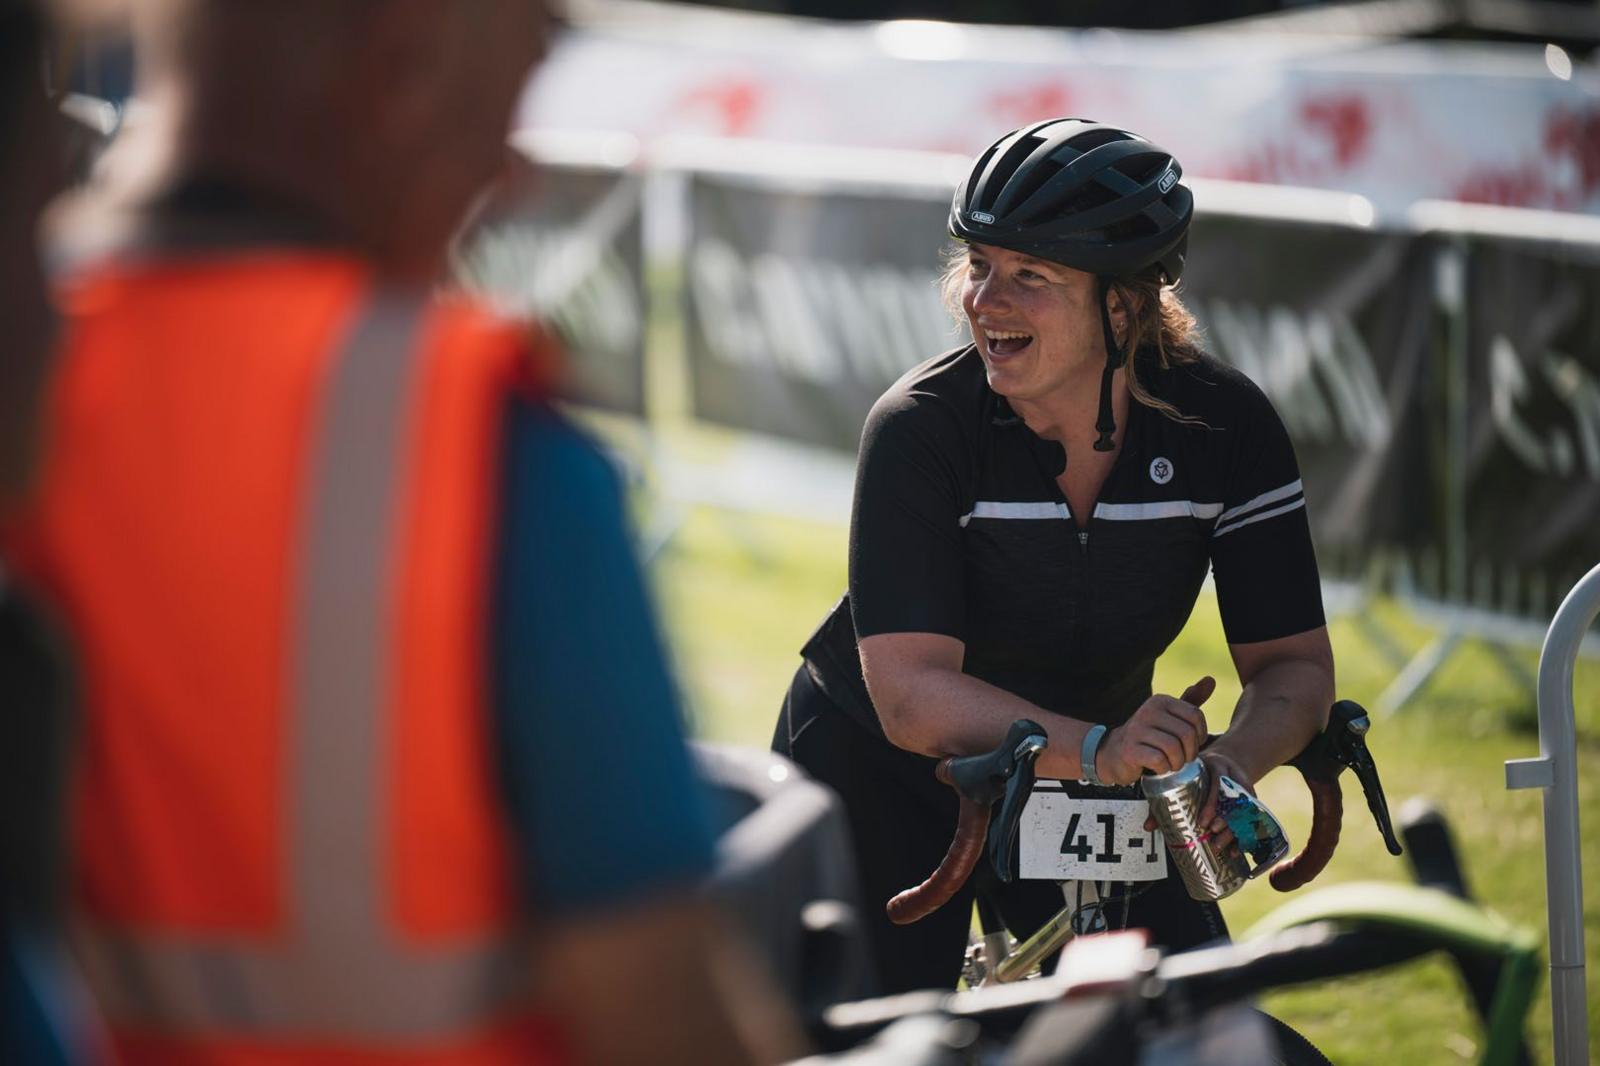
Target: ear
pixel 1117 303
pixel 1122 303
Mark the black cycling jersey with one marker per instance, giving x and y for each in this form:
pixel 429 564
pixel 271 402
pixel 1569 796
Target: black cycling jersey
pixel 959 528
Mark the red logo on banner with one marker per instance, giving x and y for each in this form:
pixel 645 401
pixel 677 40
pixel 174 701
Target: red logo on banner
pixel 1575 136
pixel 1565 177
pixel 1345 122
pixel 1032 103
pixel 1333 134
pixel 733 105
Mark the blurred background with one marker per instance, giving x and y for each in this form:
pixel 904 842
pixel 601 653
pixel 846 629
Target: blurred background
pixel 734 213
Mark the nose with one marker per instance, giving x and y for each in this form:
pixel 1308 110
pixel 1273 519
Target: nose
pixel 987 295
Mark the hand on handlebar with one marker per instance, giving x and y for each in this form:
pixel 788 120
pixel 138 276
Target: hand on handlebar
pixel 1162 735
pixel 1219 764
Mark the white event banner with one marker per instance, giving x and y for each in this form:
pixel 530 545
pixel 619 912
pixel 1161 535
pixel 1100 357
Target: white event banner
pixel 1517 125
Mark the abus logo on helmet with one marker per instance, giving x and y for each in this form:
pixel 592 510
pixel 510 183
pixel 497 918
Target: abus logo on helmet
pixel 982 216
pixel 1169 179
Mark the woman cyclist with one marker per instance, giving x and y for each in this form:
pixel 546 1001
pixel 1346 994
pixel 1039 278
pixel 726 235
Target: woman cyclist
pixel 1034 515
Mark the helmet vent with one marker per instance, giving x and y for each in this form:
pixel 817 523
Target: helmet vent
pixel 1094 138
pixel 1000 173
pixel 1024 185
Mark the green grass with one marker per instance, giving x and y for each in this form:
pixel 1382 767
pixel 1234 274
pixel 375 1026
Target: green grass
pixel 741 593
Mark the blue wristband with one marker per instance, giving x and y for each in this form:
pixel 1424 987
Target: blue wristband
pixel 1086 755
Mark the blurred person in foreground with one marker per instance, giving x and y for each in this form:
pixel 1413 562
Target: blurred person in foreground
pixel 382 760
pixel 42 1020
pixel 1035 513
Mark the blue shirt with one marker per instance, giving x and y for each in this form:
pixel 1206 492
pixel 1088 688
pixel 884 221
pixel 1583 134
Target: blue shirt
pixel 603 801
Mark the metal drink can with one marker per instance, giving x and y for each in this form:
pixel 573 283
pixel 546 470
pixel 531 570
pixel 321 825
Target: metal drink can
pixel 1175 800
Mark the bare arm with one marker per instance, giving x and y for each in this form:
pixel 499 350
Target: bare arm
pixel 927 705
pixel 1288 688
pixel 662 982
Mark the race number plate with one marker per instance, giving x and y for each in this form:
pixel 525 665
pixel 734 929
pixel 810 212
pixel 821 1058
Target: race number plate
pixel 1064 838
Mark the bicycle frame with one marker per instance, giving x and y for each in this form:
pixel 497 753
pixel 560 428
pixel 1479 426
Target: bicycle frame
pixel 998 959
pixel 995 960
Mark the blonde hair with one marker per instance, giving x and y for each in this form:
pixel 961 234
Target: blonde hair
pixel 1157 320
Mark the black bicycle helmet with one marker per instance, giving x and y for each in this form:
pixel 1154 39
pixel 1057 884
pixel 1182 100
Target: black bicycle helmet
pixel 1088 196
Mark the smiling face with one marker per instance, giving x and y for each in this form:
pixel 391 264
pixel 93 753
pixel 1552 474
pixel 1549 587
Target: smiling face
pixel 1035 323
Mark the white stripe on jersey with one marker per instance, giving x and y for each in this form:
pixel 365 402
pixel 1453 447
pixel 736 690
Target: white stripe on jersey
pixel 1291 489
pixel 1138 512
pixel 1222 530
pixel 1032 509
pixel 1111 512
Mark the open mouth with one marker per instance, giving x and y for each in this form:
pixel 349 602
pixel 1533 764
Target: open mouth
pixel 1006 342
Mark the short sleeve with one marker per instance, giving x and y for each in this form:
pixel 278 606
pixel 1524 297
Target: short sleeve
pixel 604 804
pixel 1261 552
pixel 906 569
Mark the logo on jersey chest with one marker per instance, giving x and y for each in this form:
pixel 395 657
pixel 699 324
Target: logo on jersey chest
pixel 1161 470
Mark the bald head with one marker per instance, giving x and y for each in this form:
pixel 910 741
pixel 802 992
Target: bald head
pixel 384 117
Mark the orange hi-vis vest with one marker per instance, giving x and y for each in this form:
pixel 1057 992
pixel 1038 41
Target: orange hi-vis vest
pixel 268 510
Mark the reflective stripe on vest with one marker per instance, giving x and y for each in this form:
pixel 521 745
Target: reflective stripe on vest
pixel 339 969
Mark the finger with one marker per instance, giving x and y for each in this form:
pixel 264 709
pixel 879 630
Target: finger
pixel 1184 730
pixel 1152 757
pixel 1216 823
pixel 1192 717
pixel 1200 691
pixel 1208 809
pixel 1166 739
pixel 1150 824
pixel 1179 722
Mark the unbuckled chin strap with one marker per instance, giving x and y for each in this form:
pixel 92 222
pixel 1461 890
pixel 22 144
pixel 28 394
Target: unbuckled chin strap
pixel 1106 423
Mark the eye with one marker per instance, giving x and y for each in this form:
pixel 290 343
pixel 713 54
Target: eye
pixel 977 268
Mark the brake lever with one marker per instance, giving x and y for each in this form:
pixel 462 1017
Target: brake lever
pixel 1367 773
pixel 978 780
pixel 982 778
pixel 1344 745
pixel 1019 786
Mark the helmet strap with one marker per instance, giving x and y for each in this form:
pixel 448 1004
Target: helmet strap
pixel 1106 423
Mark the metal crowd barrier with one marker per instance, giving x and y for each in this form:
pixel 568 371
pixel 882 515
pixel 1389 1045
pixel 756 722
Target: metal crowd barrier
pixel 1556 771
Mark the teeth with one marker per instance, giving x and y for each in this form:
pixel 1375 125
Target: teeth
pixel 1004 334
